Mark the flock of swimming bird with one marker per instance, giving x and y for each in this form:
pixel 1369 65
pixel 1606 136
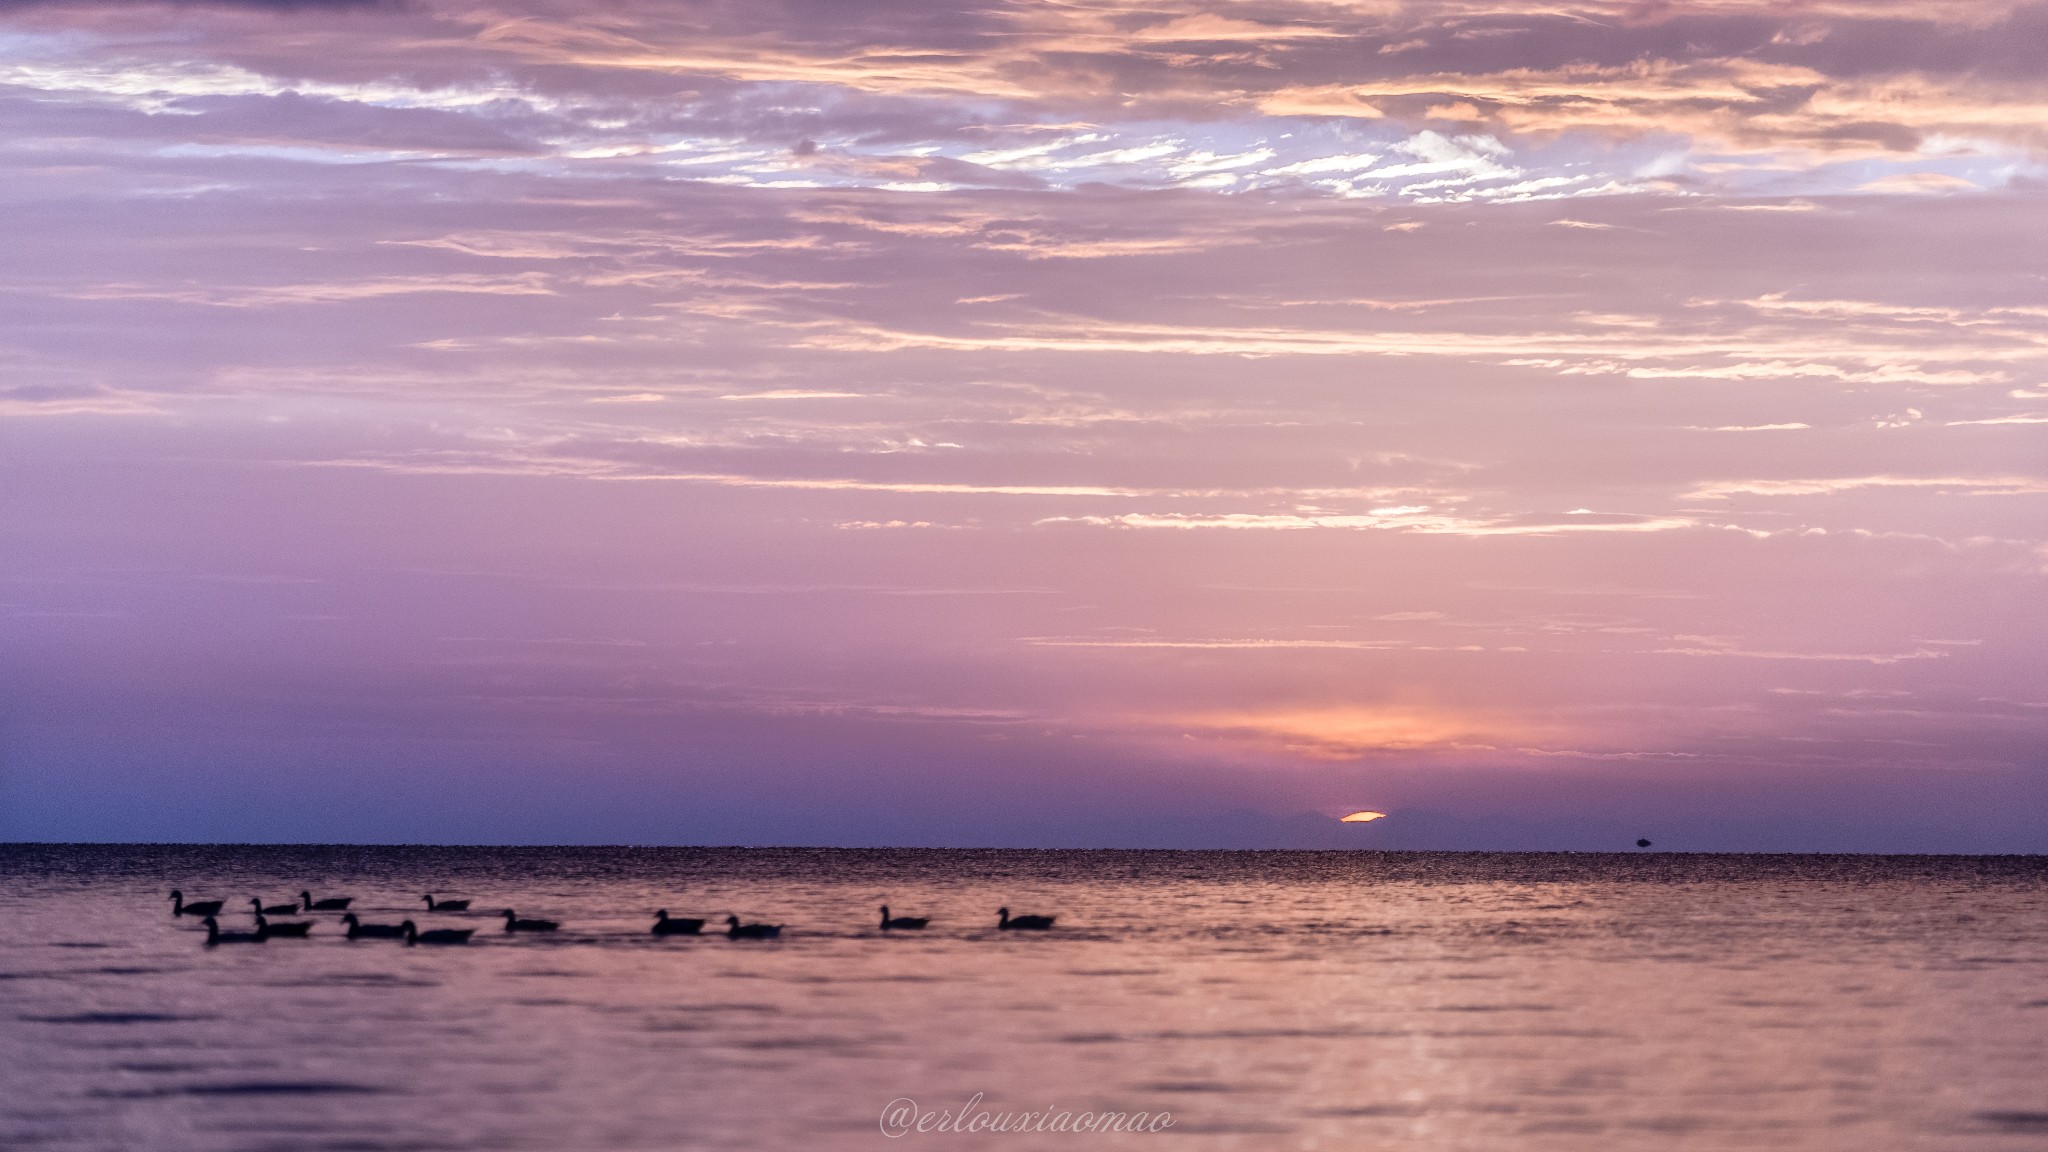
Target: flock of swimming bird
pixel 664 924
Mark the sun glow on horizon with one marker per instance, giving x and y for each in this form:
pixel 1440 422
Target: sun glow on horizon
pixel 1364 817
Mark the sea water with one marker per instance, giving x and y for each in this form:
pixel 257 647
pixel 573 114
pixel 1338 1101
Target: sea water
pixel 1254 1000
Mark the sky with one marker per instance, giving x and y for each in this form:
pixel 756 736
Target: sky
pixel 1026 423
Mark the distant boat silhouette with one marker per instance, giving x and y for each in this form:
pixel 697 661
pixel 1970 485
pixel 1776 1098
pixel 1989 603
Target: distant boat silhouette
pixel 215 936
pixel 1642 843
pixel 295 929
pixel 734 930
pixel 263 909
pixel 435 935
pixel 358 930
pixel 445 905
pixel 203 908
pixel 889 921
pixel 665 925
pixel 514 924
pixel 331 904
pixel 1032 923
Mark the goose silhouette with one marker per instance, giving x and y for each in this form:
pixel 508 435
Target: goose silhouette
pixel 665 925
pixel 263 909
pixel 331 904
pixel 734 930
pixel 435 935
pixel 295 929
pixel 889 921
pixel 215 936
pixel 434 905
pixel 514 924
pixel 202 908
pixel 358 930
pixel 1008 922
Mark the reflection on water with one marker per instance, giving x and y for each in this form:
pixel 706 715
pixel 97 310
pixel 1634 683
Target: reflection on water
pixel 1267 1000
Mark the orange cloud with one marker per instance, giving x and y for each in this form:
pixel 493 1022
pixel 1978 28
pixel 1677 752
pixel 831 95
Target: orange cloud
pixel 1348 731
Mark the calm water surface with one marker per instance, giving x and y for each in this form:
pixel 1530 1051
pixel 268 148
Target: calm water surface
pixel 1267 1000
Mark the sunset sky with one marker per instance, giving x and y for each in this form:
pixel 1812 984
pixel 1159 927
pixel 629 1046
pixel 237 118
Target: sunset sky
pixel 1026 423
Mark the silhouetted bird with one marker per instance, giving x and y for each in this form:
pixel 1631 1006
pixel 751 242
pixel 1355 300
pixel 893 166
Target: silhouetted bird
pixel 263 909
pixel 295 929
pixel 203 908
pixel 1642 843
pixel 889 921
pixel 665 925
pixel 215 936
pixel 435 935
pixel 1033 923
pixel 358 930
pixel 514 924
pixel 734 930
pixel 331 904
pixel 445 905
